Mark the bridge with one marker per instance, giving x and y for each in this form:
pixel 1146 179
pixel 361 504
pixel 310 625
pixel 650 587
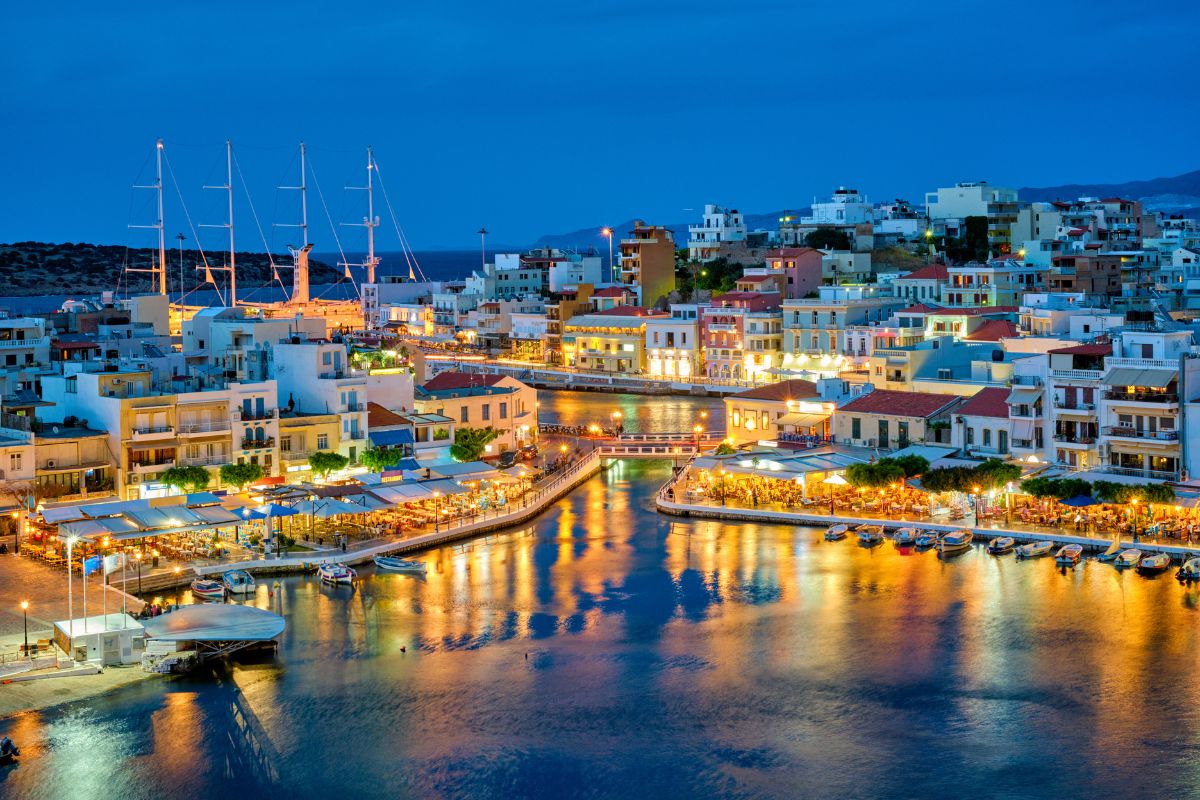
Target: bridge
pixel 657 445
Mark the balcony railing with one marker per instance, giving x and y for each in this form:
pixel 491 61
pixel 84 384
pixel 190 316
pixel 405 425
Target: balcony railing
pixel 254 416
pixel 1155 474
pixel 356 406
pixel 204 427
pixel 1142 397
pixel 1071 438
pixel 207 461
pixel 1129 432
pixel 37 341
pixel 258 444
pixel 296 455
pixel 1073 405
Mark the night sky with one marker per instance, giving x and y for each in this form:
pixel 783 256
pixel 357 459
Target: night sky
pixel 543 117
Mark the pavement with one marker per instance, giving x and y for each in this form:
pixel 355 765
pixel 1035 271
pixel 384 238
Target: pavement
pixel 45 587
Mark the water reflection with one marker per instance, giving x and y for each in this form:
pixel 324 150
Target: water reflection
pixel 639 413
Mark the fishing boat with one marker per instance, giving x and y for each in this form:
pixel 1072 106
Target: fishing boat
pixel 928 538
pixel 1001 545
pixel 8 752
pixel 208 590
pixel 905 536
pixel 836 532
pixel 336 573
pixel 399 564
pixel 1190 571
pixel 869 535
pixel 1112 552
pixel 238 581
pixel 1129 558
pixel 956 542
pixel 1035 549
pixel 1154 564
pixel 1069 555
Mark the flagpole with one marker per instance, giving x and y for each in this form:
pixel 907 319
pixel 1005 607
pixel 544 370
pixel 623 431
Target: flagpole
pixel 83 569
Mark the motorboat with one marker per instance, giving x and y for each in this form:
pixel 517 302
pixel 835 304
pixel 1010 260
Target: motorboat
pixel 1190 571
pixel 928 538
pixel 1112 552
pixel 1035 549
pixel 1069 555
pixel 869 535
pixel 336 573
pixel 1154 564
pixel 238 581
pixel 8 752
pixel 1129 558
pixel 208 590
pixel 956 542
pixel 905 536
pixel 836 532
pixel 1001 545
pixel 399 564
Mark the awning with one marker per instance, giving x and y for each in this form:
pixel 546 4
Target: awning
pixel 446 487
pixel 391 438
pixel 1122 377
pixel 473 470
pixel 1024 394
pixel 216 515
pixel 802 420
pixel 1152 378
pixel 1023 429
pixel 64 514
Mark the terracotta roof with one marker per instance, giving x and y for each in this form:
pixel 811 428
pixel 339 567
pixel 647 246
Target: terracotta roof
pixel 920 308
pixel 990 402
pixel 611 291
pixel 380 417
pixel 735 296
pixel 900 404
pixel 782 391
pixel 1084 350
pixel 932 272
pixel 994 330
pixel 789 252
pixel 755 278
pixel 976 311
pixel 630 311
pixel 460 380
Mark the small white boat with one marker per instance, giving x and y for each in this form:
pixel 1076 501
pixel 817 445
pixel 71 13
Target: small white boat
pixel 208 590
pixel 399 564
pixel 1112 552
pixel 1129 558
pixel 1154 564
pixel 336 573
pixel 870 535
pixel 1001 545
pixel 928 538
pixel 836 532
pixel 1069 555
pixel 905 536
pixel 1035 549
pixel 238 581
pixel 1190 571
pixel 956 542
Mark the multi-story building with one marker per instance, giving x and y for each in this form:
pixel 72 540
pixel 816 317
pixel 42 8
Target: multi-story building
pixel 743 335
pixel 316 376
pixel 923 285
pixel 673 344
pixel 73 461
pixel 1095 274
pixel 999 282
pixel 815 329
pixel 799 270
pixel 561 307
pixel 720 226
pixel 648 262
pixel 949 207
pixel 509 276
pixel 981 426
pixel 482 401
pixel 527 336
pixel 608 341
pixel 302 433
pixel 891 420
pixel 846 208
pixel 23 342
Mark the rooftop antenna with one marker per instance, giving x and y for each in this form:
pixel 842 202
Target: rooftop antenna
pixel 300 292
pixel 482 248
pixel 370 221
pixel 231 268
pixel 159 270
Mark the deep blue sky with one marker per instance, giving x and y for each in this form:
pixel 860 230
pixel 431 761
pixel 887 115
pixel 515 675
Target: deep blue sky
pixel 538 117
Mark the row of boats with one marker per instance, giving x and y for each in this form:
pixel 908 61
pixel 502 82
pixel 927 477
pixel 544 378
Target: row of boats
pixel 1068 555
pixel 239 582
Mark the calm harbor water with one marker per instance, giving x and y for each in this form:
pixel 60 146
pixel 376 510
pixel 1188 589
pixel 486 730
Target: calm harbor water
pixel 608 651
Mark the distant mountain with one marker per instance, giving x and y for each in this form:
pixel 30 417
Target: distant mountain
pixel 584 238
pixel 1179 193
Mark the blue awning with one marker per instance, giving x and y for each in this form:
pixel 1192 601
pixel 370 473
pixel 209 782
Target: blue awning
pixel 391 438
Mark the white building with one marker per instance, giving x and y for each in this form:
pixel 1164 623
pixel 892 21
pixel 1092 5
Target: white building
pixel 845 207
pixel 720 225
pixel 316 376
pixel 673 346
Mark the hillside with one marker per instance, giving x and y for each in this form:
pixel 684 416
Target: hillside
pixel 1180 192
pixel 35 268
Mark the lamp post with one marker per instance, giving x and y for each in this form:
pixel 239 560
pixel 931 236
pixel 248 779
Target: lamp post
pixel 1134 502
pixel 722 472
pixel 608 232
pixel 616 418
pixel 698 430
pixel 137 557
pixel 25 616
pixel 436 518
pixel 71 588
pixel 975 494
pixel 833 480
pixel 562 449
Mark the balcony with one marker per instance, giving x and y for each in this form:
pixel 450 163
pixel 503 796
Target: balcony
pixel 1138 472
pixel 186 428
pixel 1077 374
pixel 356 407
pixel 295 455
pixel 258 444
pixel 147 467
pixel 1022 444
pixel 1074 440
pixel 1129 432
pixel 153 433
pixel 254 416
pixel 1158 398
pixel 36 341
pixel 207 461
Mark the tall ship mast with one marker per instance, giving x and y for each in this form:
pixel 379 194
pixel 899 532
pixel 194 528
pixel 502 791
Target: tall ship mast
pixel 158 270
pixel 231 267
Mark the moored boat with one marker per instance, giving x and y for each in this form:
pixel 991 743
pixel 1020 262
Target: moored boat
pixel 1069 555
pixel 238 581
pixel 836 532
pixel 956 542
pixel 1035 549
pixel 869 534
pixel 399 564
pixel 928 538
pixel 1129 558
pixel 1001 545
pixel 1112 552
pixel 336 573
pixel 208 590
pixel 905 536
pixel 1190 571
pixel 1154 564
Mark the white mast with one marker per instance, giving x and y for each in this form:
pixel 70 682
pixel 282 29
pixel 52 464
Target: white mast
pixel 300 254
pixel 159 270
pixel 231 268
pixel 370 222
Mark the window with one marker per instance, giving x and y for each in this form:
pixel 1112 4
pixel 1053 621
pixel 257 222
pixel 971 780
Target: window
pixel 322 441
pixel 464 414
pixel 855 428
pixel 503 410
pixel 14 462
pixel 327 358
pixel 883 432
pixel 487 412
pixel 987 437
pixel 285 444
pixel 970 436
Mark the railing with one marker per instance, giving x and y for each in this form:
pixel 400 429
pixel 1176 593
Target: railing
pixel 1078 374
pixel 254 416
pixel 151 466
pixel 152 431
pixel 296 455
pixel 355 407
pixel 204 427
pixel 1142 363
pixel 1070 438
pixel 35 342
pixel 207 461
pixel 258 444
pixel 1155 474
pixel 1073 405
pixel 1129 432
pixel 1142 397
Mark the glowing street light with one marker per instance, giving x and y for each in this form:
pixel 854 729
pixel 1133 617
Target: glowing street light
pixel 608 233
pixel 25 615
pixel 436 518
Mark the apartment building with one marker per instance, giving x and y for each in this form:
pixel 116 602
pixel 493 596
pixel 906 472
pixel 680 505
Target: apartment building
pixel 72 461
pixel 798 271
pixel 481 401
pixel 949 207
pixel 778 410
pixel 560 308
pixel 23 342
pixel 648 262
pixel 816 327
pixel 923 285
pixel 316 376
pixel 981 426
pixel 673 344
pixel 302 433
pixel 999 282
pixel 742 335
pixel 609 341
pixel 720 226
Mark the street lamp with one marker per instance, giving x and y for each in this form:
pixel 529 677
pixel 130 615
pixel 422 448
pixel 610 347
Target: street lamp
pixel 1134 502
pixel 722 473
pixel 833 480
pixel 71 587
pixel 616 418
pixel 436 519
pixel 975 493
pixel 608 232
pixel 137 557
pixel 17 542
pixel 25 615
pixel 697 430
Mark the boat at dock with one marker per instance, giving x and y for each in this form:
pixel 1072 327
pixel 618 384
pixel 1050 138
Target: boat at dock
pixel 336 573
pixel 1001 545
pixel 1069 555
pixel 836 532
pixel 1112 552
pixel 238 581
pixel 928 538
pixel 1035 549
pixel 1154 564
pixel 954 543
pixel 1129 558
pixel 399 564
pixel 1190 571
pixel 905 536
pixel 869 535
pixel 208 589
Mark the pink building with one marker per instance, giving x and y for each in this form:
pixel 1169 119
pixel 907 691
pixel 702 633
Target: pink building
pixel 742 334
pixel 799 269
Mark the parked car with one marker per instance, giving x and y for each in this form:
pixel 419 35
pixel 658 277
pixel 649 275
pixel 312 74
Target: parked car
pixel 507 458
pixel 529 451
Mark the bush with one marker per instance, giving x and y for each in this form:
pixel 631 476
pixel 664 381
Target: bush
pixel 875 476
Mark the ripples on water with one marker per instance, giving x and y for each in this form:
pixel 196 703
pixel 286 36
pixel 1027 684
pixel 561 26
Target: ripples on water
pixel 608 651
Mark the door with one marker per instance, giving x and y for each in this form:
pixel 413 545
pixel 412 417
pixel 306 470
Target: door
pixel 110 649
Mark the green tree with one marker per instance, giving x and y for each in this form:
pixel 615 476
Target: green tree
pixel 725 449
pixel 912 464
pixel 186 479
pixel 828 239
pixel 879 475
pixel 377 459
pixel 949 479
pixel 972 245
pixel 323 462
pixel 469 443
pixel 994 474
pixel 240 474
pixel 1122 493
